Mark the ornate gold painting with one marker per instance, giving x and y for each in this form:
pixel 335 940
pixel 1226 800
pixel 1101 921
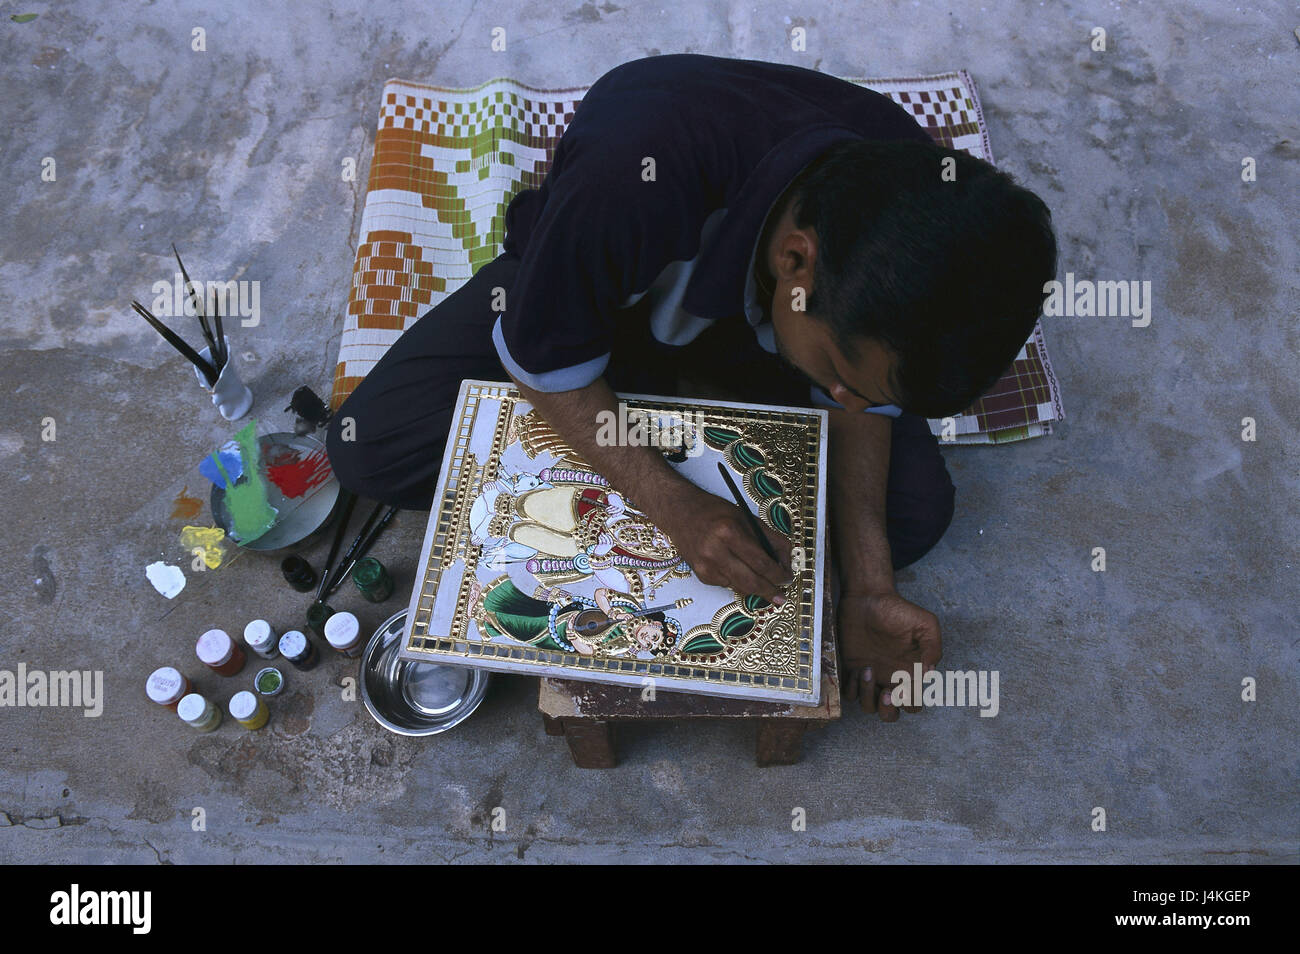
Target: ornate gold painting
pixel 533 563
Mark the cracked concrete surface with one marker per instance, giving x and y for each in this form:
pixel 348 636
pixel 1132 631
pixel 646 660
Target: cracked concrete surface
pixel 1118 689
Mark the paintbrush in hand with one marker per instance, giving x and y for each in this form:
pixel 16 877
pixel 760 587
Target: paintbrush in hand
pixel 173 339
pixel 753 521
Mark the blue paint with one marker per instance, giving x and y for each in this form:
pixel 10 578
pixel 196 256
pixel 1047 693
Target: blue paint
pixel 231 462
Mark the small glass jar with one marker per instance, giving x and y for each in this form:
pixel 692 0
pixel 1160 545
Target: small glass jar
pixel 218 652
pixel 317 615
pixel 249 710
pixel 268 681
pixel 199 712
pixel 298 573
pixel 298 650
pixel 261 638
pixel 373 580
pixel 343 633
pixel 166 686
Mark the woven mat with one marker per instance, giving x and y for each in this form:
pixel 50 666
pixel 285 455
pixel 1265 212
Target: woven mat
pixel 447 162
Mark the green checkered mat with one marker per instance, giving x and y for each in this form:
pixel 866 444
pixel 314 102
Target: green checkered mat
pixel 447 162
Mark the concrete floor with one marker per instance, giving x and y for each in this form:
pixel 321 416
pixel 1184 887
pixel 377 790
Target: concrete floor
pixel 1119 690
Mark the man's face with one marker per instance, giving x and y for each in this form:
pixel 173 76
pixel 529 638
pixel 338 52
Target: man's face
pixel 804 342
pixel 807 345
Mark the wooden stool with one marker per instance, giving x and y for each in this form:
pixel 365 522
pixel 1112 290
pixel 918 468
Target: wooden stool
pixel 585 712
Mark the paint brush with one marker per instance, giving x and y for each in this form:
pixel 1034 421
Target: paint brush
pixel 345 565
pixel 173 339
pixel 753 521
pixel 198 308
pixel 344 517
pixel 221 338
pixel 365 547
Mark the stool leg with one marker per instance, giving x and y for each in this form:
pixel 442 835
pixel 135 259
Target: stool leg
pixel 591 743
pixel 780 741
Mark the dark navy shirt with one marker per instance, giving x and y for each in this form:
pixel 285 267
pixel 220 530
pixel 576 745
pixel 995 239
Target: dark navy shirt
pixel 727 136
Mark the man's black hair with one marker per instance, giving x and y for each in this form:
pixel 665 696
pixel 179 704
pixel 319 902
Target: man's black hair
pixel 948 275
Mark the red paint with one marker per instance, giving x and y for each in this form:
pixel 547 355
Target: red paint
pixel 299 476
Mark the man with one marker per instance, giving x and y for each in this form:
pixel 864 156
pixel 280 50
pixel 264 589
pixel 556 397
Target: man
pixel 782 233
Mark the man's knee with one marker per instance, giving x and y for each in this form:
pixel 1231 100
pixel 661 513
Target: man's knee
pixel 343 449
pixel 378 463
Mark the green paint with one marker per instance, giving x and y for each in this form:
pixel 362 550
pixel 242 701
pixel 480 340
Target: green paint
pixel 765 483
pixel 780 518
pixel 748 456
pixel 268 682
pixel 719 437
pixel 250 515
pixel 24 17
pixel 735 626
pixel 702 643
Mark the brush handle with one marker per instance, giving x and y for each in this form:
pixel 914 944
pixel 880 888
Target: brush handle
pixel 360 545
pixel 753 521
pixel 201 365
pixel 198 310
pixel 348 505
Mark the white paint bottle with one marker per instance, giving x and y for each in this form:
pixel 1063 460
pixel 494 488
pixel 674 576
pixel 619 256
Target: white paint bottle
pixel 343 633
pixel 199 712
pixel 261 639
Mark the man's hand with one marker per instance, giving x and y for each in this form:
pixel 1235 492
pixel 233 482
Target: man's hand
pixel 710 533
pixel 881 634
pixel 713 536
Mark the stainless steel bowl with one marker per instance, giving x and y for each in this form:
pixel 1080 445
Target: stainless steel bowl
pixel 413 698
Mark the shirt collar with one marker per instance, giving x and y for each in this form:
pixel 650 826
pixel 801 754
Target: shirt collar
pixel 723 272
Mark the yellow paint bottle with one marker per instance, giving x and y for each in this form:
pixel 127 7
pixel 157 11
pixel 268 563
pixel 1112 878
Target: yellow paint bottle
pixel 249 711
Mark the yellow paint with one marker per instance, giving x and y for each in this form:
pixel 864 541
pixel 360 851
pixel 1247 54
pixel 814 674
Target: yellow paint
pixel 261 715
pixel 209 540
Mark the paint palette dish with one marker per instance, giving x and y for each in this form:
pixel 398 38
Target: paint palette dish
pixel 300 486
pixel 534 563
pixel 411 698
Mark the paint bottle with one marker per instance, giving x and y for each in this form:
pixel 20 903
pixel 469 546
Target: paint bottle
pixel 249 710
pixel 268 681
pixel 373 580
pixel 317 614
pixel 218 652
pixel 166 686
pixel 199 712
pixel 343 632
pixel 298 573
pixel 298 649
pixel 261 638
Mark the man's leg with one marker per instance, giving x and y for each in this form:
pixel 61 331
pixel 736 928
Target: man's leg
pixel 920 496
pixel 399 415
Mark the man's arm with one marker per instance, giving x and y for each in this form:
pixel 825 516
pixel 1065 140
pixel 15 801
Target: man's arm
pixel 710 533
pixel 859 464
pixel 880 632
